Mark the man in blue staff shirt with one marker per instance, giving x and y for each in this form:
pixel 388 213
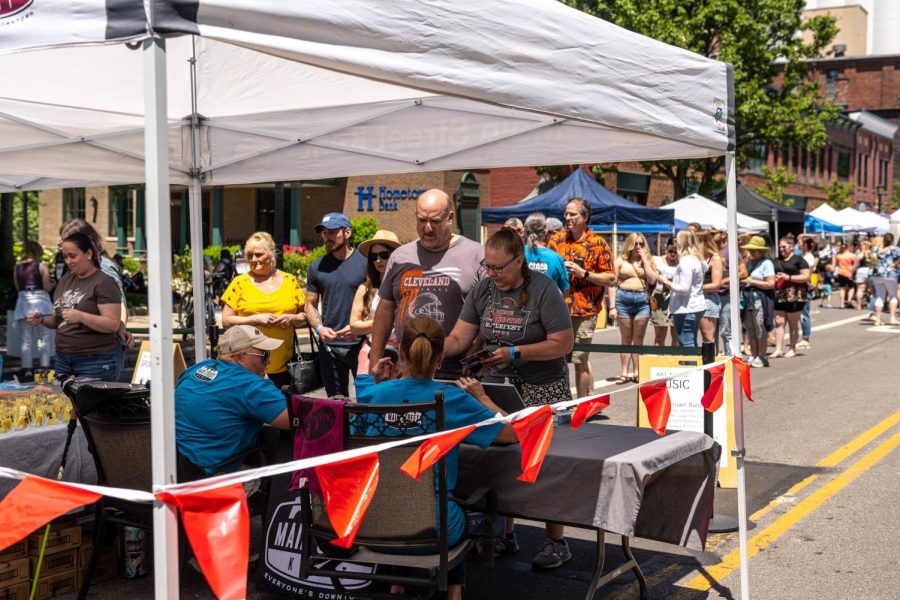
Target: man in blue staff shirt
pixel 221 404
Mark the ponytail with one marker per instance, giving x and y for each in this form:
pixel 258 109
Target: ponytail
pixel 422 342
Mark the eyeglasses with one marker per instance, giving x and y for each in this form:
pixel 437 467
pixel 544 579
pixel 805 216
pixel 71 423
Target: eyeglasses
pixel 639 244
pixel 497 268
pixel 383 255
pixel 264 355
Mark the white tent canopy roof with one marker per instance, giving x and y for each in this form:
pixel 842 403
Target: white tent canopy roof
pixel 699 209
pixel 862 221
pixel 309 90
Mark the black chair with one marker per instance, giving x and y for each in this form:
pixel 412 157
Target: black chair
pixel 115 418
pixel 403 513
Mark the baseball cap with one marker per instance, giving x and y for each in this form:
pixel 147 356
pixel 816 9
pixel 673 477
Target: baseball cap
pixel 241 337
pixel 333 220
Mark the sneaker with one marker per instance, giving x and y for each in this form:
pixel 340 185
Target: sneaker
pixel 790 353
pixel 552 555
pixel 507 544
pixel 756 362
pixel 803 345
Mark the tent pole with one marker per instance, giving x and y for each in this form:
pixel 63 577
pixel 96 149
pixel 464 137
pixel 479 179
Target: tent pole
pixel 195 195
pixel 615 239
pixel 738 452
pixel 159 296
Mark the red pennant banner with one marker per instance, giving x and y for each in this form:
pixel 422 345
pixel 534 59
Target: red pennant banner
pixel 534 432
pixel 217 524
pixel 431 451
pixel 37 501
pixel 348 487
pixel 743 370
pixel 712 397
pixel 656 399
pixel 588 409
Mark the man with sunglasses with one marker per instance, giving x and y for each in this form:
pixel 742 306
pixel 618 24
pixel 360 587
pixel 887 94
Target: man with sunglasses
pixel 222 403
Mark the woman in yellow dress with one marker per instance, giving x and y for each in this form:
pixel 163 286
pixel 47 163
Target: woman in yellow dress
pixel 269 299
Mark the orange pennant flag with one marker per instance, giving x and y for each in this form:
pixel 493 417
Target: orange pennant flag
pixel 743 370
pixel 37 501
pixel 348 487
pixel 217 524
pixel 534 432
pixel 656 399
pixel 432 449
pixel 588 409
pixel 712 397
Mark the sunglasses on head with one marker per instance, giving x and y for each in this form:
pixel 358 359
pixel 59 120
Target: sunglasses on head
pixel 383 255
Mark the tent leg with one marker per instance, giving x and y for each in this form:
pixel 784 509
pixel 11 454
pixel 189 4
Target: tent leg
pixel 739 450
pixel 198 273
pixel 159 268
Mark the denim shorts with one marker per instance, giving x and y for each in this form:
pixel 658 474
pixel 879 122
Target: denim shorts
pixel 632 305
pixel 713 305
pixel 103 365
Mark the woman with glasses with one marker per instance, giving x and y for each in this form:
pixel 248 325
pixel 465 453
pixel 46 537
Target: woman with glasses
pixel 791 283
pixel 636 275
pixel 268 299
pixel 362 314
pixel 524 323
pixel 687 303
pixel 666 265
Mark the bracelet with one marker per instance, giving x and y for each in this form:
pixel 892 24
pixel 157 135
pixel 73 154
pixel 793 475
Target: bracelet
pixel 512 353
pixel 318 327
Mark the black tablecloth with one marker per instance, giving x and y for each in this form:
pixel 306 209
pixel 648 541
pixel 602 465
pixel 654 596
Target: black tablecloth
pixel 625 480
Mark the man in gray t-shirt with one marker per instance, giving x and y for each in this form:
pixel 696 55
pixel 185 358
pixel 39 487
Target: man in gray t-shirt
pixel 429 277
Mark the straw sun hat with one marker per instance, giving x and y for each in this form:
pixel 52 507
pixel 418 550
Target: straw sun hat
pixel 383 237
pixel 756 243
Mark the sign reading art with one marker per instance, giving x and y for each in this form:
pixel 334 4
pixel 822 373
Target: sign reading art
pixel 388 199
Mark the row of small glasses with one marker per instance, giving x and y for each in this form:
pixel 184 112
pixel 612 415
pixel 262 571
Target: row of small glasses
pixel 36 410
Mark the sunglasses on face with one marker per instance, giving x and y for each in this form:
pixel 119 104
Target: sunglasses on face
pixel 383 255
pixel 264 356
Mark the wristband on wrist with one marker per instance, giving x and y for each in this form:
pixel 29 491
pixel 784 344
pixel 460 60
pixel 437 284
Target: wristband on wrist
pixel 318 328
pixel 512 353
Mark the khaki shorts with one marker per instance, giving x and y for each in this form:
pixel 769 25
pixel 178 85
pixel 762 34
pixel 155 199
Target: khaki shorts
pixel 584 334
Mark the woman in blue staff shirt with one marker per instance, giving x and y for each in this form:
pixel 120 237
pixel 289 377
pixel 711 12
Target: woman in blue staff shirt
pixel 421 351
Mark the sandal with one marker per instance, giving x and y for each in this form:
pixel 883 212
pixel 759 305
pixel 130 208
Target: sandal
pixel 622 379
pixel 633 377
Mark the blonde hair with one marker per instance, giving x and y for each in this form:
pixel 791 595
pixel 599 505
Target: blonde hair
pixel 260 238
pixel 422 343
pixel 708 244
pixel 629 244
pixel 687 244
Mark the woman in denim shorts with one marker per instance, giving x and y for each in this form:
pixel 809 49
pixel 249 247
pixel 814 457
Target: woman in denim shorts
pixel 712 281
pixel 637 275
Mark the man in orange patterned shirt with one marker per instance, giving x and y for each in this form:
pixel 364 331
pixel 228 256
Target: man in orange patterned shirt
pixel 590 265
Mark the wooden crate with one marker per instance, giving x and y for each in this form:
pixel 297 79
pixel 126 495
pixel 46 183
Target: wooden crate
pixel 60 539
pixel 17 550
pixel 14 572
pixel 19 591
pixel 56 585
pixel 58 562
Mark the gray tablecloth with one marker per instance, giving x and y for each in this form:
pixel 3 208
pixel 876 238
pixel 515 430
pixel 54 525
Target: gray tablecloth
pixel 38 450
pixel 624 480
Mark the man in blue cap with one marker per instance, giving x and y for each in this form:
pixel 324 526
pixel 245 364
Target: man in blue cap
pixel 333 279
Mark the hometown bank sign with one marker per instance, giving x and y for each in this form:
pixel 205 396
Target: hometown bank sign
pixel 388 199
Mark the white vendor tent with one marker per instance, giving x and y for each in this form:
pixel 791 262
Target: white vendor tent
pixel 862 221
pixel 699 209
pixel 216 92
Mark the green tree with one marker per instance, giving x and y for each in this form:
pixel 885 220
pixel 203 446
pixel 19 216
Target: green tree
pixel 752 36
pixel 839 195
pixel 895 196
pixel 33 208
pixel 776 181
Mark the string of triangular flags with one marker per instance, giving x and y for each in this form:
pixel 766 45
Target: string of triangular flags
pixel 214 510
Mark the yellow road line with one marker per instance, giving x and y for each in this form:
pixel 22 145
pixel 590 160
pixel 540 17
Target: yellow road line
pixel 782 524
pixel 832 460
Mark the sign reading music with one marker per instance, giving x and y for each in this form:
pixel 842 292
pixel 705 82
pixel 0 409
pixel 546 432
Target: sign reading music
pixel 388 199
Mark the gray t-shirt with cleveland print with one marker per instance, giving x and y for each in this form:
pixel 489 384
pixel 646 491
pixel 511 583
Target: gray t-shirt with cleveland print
pixel 502 323
pixel 422 283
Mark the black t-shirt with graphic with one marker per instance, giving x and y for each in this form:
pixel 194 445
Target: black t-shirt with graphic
pixel 502 323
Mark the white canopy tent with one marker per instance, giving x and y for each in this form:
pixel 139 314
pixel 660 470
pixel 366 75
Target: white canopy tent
pixel 699 209
pixel 225 92
pixel 862 221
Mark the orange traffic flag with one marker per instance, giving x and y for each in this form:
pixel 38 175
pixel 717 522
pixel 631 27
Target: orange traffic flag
pixel 431 450
pixel 534 432
pixel 348 487
pixel 588 409
pixel 656 399
pixel 712 397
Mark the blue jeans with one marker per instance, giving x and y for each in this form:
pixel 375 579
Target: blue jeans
pixel 723 327
pixel 686 328
pixel 805 323
pixel 103 365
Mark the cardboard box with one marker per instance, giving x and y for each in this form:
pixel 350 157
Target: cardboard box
pixel 17 550
pixel 14 572
pixel 56 563
pixel 60 539
pixel 17 592
pixel 56 585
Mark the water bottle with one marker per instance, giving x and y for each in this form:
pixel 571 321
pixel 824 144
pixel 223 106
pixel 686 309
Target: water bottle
pixel 135 563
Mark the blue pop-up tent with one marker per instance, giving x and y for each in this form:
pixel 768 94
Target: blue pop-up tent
pixel 814 224
pixel 606 207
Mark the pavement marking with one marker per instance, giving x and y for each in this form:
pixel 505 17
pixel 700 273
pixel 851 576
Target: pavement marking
pixel 884 329
pixel 832 460
pixel 838 323
pixel 715 574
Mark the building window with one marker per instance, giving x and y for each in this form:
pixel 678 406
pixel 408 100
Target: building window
pixel 265 209
pixel 843 165
pixel 757 153
pixel 73 204
pixel 124 194
pixel 633 186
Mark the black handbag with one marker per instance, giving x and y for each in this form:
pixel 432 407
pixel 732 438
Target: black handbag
pixel 304 370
